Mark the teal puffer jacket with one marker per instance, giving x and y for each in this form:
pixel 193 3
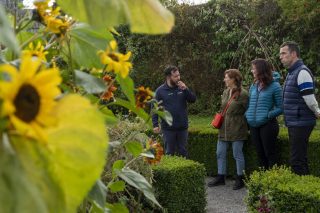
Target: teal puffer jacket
pixel 265 104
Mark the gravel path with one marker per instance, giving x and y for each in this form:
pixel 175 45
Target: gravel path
pixel 223 199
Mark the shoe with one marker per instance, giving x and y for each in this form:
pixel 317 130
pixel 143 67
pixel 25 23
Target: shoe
pixel 219 180
pixel 239 182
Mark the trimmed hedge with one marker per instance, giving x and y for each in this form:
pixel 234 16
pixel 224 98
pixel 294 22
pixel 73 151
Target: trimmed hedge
pixel 202 147
pixel 180 185
pixel 279 190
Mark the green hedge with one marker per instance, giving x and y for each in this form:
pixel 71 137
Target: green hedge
pixel 280 190
pixel 202 148
pixel 180 185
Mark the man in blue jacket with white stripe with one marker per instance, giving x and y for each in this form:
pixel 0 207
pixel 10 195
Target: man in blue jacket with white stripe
pixel 301 108
pixel 173 95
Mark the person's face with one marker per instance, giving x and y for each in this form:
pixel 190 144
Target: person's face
pixel 230 83
pixel 254 72
pixel 174 77
pixel 287 58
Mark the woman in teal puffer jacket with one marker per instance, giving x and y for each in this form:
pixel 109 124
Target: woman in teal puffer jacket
pixel 265 104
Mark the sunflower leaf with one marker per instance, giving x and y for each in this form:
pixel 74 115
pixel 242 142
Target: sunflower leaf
pixel 89 82
pixel 77 148
pixel 98 194
pixel 117 186
pixel 127 87
pixel 7 36
pixel 85 43
pixel 144 16
pixel 138 181
pixel 134 147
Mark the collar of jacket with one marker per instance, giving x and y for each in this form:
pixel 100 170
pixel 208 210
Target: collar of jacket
pixel 166 86
pixel 295 65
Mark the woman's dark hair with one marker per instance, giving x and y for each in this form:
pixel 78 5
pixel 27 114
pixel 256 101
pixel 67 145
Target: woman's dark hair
pixel 264 71
pixel 236 75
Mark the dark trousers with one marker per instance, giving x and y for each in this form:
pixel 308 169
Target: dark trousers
pixel 264 139
pixel 175 142
pixel 299 138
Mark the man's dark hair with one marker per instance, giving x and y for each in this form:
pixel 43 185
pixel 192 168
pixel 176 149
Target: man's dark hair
pixel 292 46
pixel 170 69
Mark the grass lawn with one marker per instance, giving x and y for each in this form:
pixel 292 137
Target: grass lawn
pixel 202 123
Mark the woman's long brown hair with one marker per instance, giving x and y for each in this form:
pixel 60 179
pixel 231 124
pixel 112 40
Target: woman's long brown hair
pixel 264 71
pixel 236 75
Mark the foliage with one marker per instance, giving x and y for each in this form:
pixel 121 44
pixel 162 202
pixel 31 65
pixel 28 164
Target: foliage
pixel 180 185
pixel 279 190
pixel 53 142
pixel 210 38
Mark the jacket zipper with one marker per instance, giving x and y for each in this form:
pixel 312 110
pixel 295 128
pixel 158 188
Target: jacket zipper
pixel 255 109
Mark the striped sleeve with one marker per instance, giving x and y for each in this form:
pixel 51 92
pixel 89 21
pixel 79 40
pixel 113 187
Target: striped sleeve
pixel 305 83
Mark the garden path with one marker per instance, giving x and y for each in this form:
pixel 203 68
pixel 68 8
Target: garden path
pixel 223 199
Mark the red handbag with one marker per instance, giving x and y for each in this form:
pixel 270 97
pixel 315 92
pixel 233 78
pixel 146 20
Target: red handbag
pixel 218 118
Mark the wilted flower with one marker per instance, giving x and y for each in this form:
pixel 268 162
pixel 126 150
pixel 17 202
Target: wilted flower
pixel 143 96
pixel 156 149
pixel 108 94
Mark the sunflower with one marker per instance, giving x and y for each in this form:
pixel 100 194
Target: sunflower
pixel 37 51
pixel 57 25
pixel 156 149
pixel 143 96
pixel 28 96
pixel 115 61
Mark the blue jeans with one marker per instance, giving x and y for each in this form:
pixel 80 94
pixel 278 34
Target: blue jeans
pixel 222 147
pixel 175 142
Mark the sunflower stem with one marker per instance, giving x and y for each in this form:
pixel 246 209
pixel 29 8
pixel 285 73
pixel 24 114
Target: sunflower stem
pixel 70 67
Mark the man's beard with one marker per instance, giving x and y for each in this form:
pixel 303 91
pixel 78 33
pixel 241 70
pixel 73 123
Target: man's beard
pixel 173 83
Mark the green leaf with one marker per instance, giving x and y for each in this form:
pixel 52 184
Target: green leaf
pixel 117 208
pixel 117 186
pixel 133 147
pixel 127 87
pixel 98 194
pixel 138 111
pixel 138 181
pixel 149 16
pixel 147 154
pixel 164 115
pixel 144 16
pixel 109 116
pixel 90 83
pixel 85 43
pixel 7 36
pixel 119 164
pixel 25 181
pixel 77 151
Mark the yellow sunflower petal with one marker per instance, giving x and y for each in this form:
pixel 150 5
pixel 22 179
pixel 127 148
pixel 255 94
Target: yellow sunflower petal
pixel 113 44
pixel 29 67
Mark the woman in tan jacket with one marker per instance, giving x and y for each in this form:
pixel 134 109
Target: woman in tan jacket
pixel 234 128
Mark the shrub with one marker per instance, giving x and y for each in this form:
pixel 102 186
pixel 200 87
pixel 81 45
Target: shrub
pixel 279 190
pixel 179 185
pixel 202 147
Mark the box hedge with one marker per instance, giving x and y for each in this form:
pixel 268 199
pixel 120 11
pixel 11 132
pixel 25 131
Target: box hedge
pixel 279 190
pixel 202 148
pixel 180 185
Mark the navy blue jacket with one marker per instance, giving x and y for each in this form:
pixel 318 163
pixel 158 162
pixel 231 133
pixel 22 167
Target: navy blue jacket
pixel 296 111
pixel 175 101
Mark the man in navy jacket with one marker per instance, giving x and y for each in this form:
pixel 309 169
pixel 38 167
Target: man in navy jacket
pixel 173 96
pixel 300 105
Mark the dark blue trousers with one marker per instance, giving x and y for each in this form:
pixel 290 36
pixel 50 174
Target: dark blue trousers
pixel 175 142
pixel 299 138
